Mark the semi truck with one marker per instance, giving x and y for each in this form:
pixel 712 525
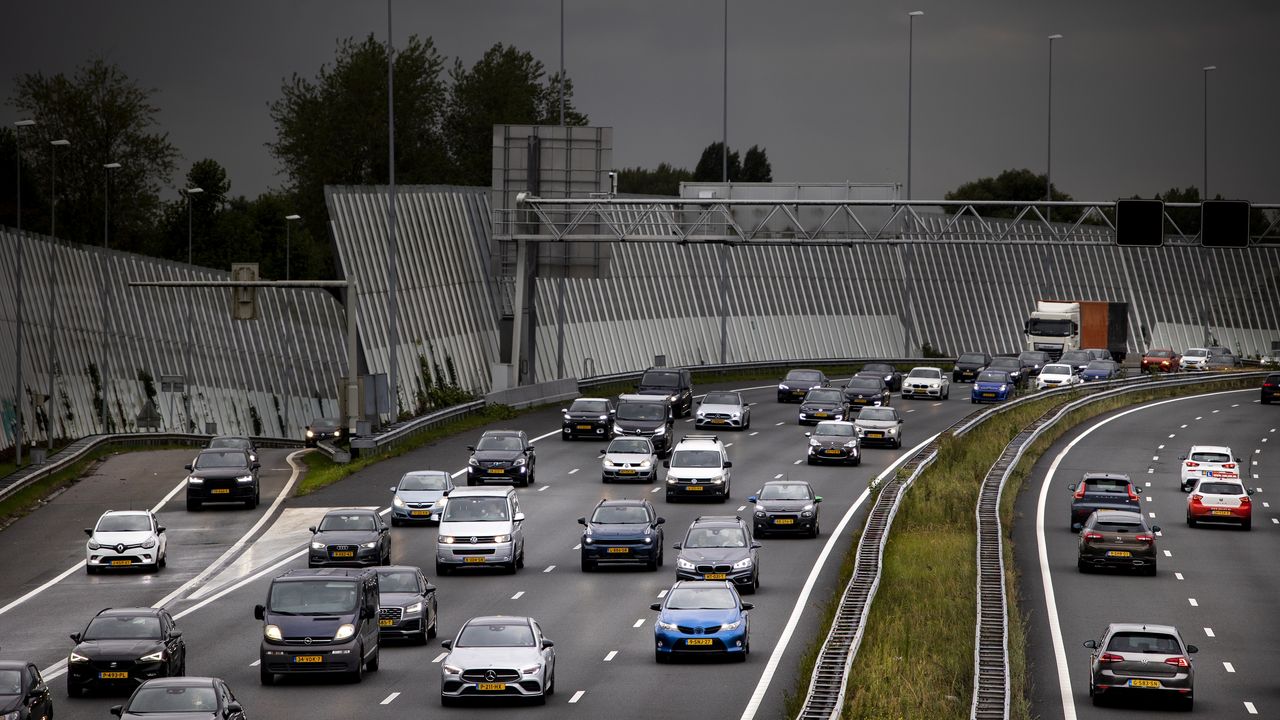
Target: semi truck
pixel 1056 326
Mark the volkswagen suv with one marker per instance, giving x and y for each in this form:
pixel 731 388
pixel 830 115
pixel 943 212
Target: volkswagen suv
pixel 699 467
pixel 480 527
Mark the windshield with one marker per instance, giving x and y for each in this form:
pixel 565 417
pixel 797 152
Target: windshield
pixel 174 700
pixel 927 373
pixel 1045 327
pixel 424 481
pixel 630 446
pixel 1100 366
pixel 398 582
pixel 1211 457
pixel 1076 356
pixel 722 398
pixel 642 411
pixel 10 682
pixel 804 376
pixel 1221 488
pixel 864 385
pixel 600 407
pixel 1056 370
pixel 878 414
pixel 972 359
pixel 313 597
pixel 708 598
pixel 230 442
pixel 1144 642
pixel 1121 526
pixel 475 509
pixel 124 523
pixel 789 491
pixel 834 429
pixel 1035 357
pixel 138 627
pixel 878 368
pixel 713 537
pixel 206 460
pixel 695 459
pixel 325 424
pixel 1160 353
pixel 992 377
pixel 496 635
pixel 621 515
pixel 500 442
pixel 824 396
pixel 660 379
pixel 352 521
pixel 1196 352
pixel 1006 362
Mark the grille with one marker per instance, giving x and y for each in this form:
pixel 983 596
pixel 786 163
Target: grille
pixel 301 640
pixel 714 568
pixel 708 630
pixel 499 675
pixel 341 548
pixel 110 665
pixel 495 464
pixel 390 613
pixel 483 551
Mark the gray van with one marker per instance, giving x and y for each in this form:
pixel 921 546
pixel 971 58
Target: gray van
pixel 480 527
pixel 323 620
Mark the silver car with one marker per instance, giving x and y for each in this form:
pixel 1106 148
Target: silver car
pixel 723 410
pixel 420 496
pixel 879 425
pixel 1141 659
pixel 629 458
pixel 498 656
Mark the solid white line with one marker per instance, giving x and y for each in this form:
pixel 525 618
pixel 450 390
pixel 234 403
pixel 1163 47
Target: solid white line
pixel 1249 708
pixel 638 623
pixel 1178 575
pixel 549 568
pixel 518 595
pixel 1046 576
pixel 573 471
pixel 440 657
pixel 612 654
pixel 1193 602
pixel 1228 666
pixel 390 698
pixel 662 593
pixel 1209 632
pixel 802 602
pixel 577 696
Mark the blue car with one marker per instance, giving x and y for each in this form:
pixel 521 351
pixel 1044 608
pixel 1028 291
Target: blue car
pixel 1100 370
pixel 622 531
pixel 702 617
pixel 991 386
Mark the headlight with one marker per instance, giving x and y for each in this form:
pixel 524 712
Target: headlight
pixel 245 479
pixel 195 481
pixel 684 564
pixel 369 545
pixel 310 434
pixel 93 544
pixel 586 540
pixel 272 632
pixel 646 464
pixel 451 669
pixel 345 631
pixel 1004 388
pixel 813 443
pixel 736 415
pixel 609 464
pixel 665 625
pixel 153 657
pixel 337 433
pixel 604 417
pixel 731 626
pixel 783 387
pixel 662 430
pixel 852 443
pixel 888 378
pixel 317 546
pixel 413 609
pixel 617 430
pixel 150 543
pixel 759 513
pixel 717 480
pixel 472 462
pixel 501 538
pixel 519 462
pixel 531 670
pixel 77 658
pixel 671 479
pixel 447 539
pixel 648 540
pixel 397 501
pixel 807 508
pixel 10 715
pixel 701 415
pixel 743 563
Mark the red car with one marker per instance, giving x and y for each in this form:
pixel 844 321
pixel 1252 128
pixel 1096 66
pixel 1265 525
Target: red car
pixel 1162 359
pixel 1215 500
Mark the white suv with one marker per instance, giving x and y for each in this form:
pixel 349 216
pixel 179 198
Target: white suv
pixel 1208 461
pixel 480 527
pixel 124 539
pixel 699 467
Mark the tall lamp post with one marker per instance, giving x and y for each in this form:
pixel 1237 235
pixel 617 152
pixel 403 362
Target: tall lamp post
pixel 186 370
pixel 53 279
pixel 17 388
pixel 1204 187
pixel 911 22
pixel 1048 171
pixel 724 110
pixel 393 277
pixel 106 287
pixel 288 223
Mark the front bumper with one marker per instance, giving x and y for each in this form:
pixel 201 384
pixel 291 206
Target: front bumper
pixel 878 437
pixel 283 659
pixel 674 642
pixel 813 418
pixel 479 555
pixel 222 491
pixel 792 395
pixel 108 557
pixel 585 428
pixel 740 578
pixel 417 512
pixel 700 488
pixel 506 683
pixel 988 395
pixel 89 675
pixel 392 624
pixel 964 375
pixel 620 551
pixel 627 473
pixel 784 522
pixel 505 474
pixel 911 391
pixel 718 421
pixel 836 454
pixel 328 557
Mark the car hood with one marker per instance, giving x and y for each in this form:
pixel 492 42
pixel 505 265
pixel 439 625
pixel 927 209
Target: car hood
pixel 344 537
pixel 645 425
pixel 118 649
pixel 496 455
pixel 1055 378
pixel 126 538
pixel 9 703
pixel 320 628
pixel 782 505
pixel 484 527
pixel 1095 374
pixel 923 380
pixel 220 473
pixel 969 366
pixel 662 391
pixel 876 424
pixel 170 716
pixel 856 393
pixel 476 658
pixel 628 458
pixel 397 599
pixel 714 555
pixel 420 496
pixel 800 384
pixel 821 405
pixel 718 408
pixel 611 530
pixel 584 415
pixel 695 473
pixel 831 440
pixel 699 618
pixel 988 386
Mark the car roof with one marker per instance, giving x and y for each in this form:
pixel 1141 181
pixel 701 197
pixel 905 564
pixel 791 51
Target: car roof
pixel 1105 476
pixel 717 520
pixel 219 451
pixel 1110 515
pixel 13 665
pixel 803 370
pixel 633 397
pixel 332 573
pixel 1143 627
pixel 480 492
pixel 502 433
pixel 351 511
pixel 397 568
pixel 829 423
pixel 129 612
pixel 183 681
pixel 788 482
pixel 1210 448
pixel 126 512
pixel 710 441
pixel 230 437
pixel 926 367
pixel 426 472
pixel 701 583
pixel 638 502
pixel 498 620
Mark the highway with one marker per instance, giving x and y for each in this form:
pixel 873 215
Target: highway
pixel 601 622
pixel 1214 583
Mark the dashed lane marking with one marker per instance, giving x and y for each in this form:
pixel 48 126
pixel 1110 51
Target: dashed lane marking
pixel 1148 499
pixel 1150 471
pixel 255 663
pixel 549 568
pixel 1193 602
pixel 518 595
pixel 578 546
pixel 573 471
pixel 741 508
pixel 912 410
pixel 638 623
pixel 662 594
pixel 612 654
pixel 1249 708
pixel 390 698
pixel 1228 666
pixel 440 657
pixel 1161 447
pixel 1178 575
pixel 656 489
pixel 1151 514
pixel 775 477
pixel 1155 457
pixel 1184 427
pixel 1209 632
pixel 800 461
pixel 754 433
pixel 1199 417
pixel 577 696
pixel 1173 435
pixel 1168 554
pixel 779 424
pixel 1148 483
pixel 544 487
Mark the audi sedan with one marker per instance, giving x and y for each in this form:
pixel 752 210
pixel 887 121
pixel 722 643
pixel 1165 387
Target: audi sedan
pixel 723 410
pixel 785 507
pixel 121 648
pixel 498 657
pixel 350 537
pixel 699 617
pixel 823 404
pixel 991 386
pixel 799 382
pixel 1117 538
pixel 1220 501
pixel 193 698
pixel 1141 659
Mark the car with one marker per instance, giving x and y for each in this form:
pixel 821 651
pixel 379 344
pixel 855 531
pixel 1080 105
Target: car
pixel 674 384
pixel 498 656
pixel 628 458
pixel 1033 361
pixel 720 547
pixel 223 476
pixel 926 382
pixel 185 697
pixel 968 365
pixel 481 527
pixel 587 417
pixel 879 425
pixel 699 617
pixel 1270 390
pixel 1220 501
pixel 323 428
pixel 785 506
pixel 866 391
pixel 349 536
pixel 23 692
pixel 420 496
pixel 645 416
pixel 1077 359
pixel 501 456
pixel 699 467
pixel 723 410
pixel 890 374
pixel 126 539
pixel 319 621
pixel 234 442
pixel 1057 375
pixel 1222 361
pixel 1221 350
pixel 798 382
pixel 1099 353
pixel 1117 538
pixel 1208 461
pixel 823 404
pixel 1011 365
pixel 1102 490
pixel 834 441
pixel 1195 358
pixel 121 648
pixel 1160 360
pixel 407 606
pixel 1101 370
pixel 1141 658
pixel 621 532
pixel 991 386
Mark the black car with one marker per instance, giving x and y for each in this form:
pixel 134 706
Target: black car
pixel 1011 365
pixel 968 365
pixel 319 621
pixel 23 693
pixel 121 648
pixel 324 429
pixel 645 416
pixel 223 476
pixel 351 536
pixel 676 384
pixel 834 442
pixel 720 547
pixel 234 442
pixel 1077 359
pixel 1033 361
pixel 501 456
pixel 786 506
pixel 823 404
pixel 1102 491
pixel 622 531
pixel 867 391
pixel 890 374
pixel 188 697
pixel 799 382
pixel 588 417
pixel 406 604
pixel 1271 389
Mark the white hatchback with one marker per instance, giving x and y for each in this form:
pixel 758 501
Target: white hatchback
pixel 1194 359
pixel 1056 375
pixel 125 538
pixel 1215 462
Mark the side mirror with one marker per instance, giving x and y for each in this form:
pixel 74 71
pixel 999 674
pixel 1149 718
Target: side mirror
pixel 603 450
pixel 818 499
pixel 1091 644
pixel 748 606
pixel 1155 528
pixel 564 410
pixel 117 710
pixel 728 463
pixel 547 644
pixel 233 708
pixel 312 529
pixel 160 529
pixel 1191 649
pixel 175 634
pixel 518 517
pixel 675 546
pixel 187 466
pixel 655 606
pixel 257 465
pixel 1239 460
pixel 445 493
pixel 659 521
pixel 88 531
pixel 753 498
pixel 808 434
pixel 582 521
pixel 528 448
pixel 471 448
pixel 899 421
pixel 75 637
pixel 392 488
pixel 666 464
pixel 1072 487
pixel 1138 490
pixel 756 546
pixel 446 644
pixel 260 612
pixel 429 589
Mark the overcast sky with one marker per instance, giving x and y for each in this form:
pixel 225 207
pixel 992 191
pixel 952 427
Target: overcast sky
pixel 822 84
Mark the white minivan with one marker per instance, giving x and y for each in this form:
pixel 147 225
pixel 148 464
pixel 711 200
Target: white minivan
pixel 480 527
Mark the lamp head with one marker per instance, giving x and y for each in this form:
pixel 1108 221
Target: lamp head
pixel 59 143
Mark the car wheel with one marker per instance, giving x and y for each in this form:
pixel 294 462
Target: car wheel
pixel 446 701
pixel 520 558
pixel 659 657
pixel 1082 566
pixel 266 677
pixel 163 562
pixel 809 460
pixel 1151 569
pixel 975 402
pixel 857 461
pixel 90 569
pixel 551 682
pixel 588 565
pixel 815 531
pixel 1188 703
pixel 357 675
pixel 395 522
pixel 1191 522
pixel 194 506
pixel 441 569
pixel 1247 524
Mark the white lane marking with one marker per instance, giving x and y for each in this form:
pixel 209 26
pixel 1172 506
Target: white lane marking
pixel 577 696
pixel 638 623
pixel 1148 498
pixel 911 410
pixel 1046 577
pixel 1228 666
pixel 1178 575
pixel 1255 476
pixel 612 654
pixel 1193 602
pixel 578 546
pixel 1160 448
pixel 57 579
pixel 1173 435
pixel 1152 514
pixel 1255 452
pixel 728 445
pixel 1150 471
pixel 775 477
pixel 1148 483
pixel 800 461
pixel 779 424
pixel 544 487
pixel 390 698
pixel 1266 504
pixel 1275 521
pixel 255 663
pixel 440 657
pixel 1199 417
pixel 549 568
pixel 656 489
pixel 662 593
pixel 802 601
pixel 1217 411
pixel 573 471
pixel 1184 427
pixel 1249 708
pixel 741 508
pixel 518 595
pixel 1168 554
pixel 754 433
pixel 1255 462
pixel 1209 632
pixel 1155 457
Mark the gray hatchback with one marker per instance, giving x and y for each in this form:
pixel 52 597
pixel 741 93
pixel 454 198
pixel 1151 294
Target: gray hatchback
pixel 1139 658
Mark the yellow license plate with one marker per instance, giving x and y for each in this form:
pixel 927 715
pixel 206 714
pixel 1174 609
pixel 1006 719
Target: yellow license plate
pixel 626 472
pixel 344 553
pixel 717 421
pixel 619 550
pixel 988 394
pixel 473 559
pixel 221 491
pixel 113 675
pixel 784 521
pixel 1144 683
pixel 875 435
pixel 698 641
pixel 820 414
pixel 492 687
pixel 832 452
pixel 1220 512
pixel 694 488
pixel 1119 553
pixel 497 471
pixel 584 427
pixel 419 513
pixel 386 622
pixel 308 658
pixel 121 562
pixel 714 576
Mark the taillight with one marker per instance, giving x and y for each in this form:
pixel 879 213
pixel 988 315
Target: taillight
pixel 1092 536
pixel 1245 501
pixel 1229 466
pixel 1177 662
pixel 1132 495
pixel 1191 463
pixel 1196 498
pixel 1109 657
pixel 1079 491
pixel 1145 538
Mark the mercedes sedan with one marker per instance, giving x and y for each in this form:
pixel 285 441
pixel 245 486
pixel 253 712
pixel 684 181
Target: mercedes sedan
pixel 725 410
pixel 498 657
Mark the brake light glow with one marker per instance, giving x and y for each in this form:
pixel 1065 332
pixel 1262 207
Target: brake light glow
pixel 1196 498
pixel 1080 491
pixel 1092 536
pixel 1192 463
pixel 1112 657
pixel 1177 662
pixel 1229 466
pixel 1245 501
pixel 1144 538
pixel 1132 495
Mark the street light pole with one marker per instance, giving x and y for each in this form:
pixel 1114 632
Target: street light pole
pixel 562 62
pixel 186 363
pixel 724 111
pixel 1048 173
pixel 911 23
pixel 288 222
pixel 1204 187
pixel 106 288
pixel 18 279
pixel 393 279
pixel 53 288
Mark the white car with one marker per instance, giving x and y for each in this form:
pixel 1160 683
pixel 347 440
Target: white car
pixel 629 458
pixel 926 382
pixel 1194 359
pixel 724 409
pixel 125 538
pixel 1056 375
pixel 1208 461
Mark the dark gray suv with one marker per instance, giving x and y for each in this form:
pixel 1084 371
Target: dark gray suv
pixel 720 547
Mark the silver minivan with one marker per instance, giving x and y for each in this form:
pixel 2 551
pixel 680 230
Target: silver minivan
pixel 480 527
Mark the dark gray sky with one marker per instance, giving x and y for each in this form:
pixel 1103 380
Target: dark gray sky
pixel 821 84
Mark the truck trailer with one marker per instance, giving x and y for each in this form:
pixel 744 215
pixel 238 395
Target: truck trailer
pixel 1056 326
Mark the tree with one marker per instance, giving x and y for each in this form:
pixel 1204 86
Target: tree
pixel 756 166
pixel 710 166
pixel 108 118
pixel 664 180
pixel 1011 186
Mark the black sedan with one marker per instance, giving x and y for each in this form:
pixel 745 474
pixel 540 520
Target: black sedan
pixel 121 648
pixel 1033 361
pixel 1102 491
pixel 968 365
pixel 188 697
pixel 890 374
pixel 1077 359
pixel 1270 391
pixel 798 383
pixel 349 537
pixel 823 404
pixel 1011 365
pixel 406 604
pixel 867 391
pixel 622 531
pixel 323 429
pixel 223 476
pixel 587 417
pixel 785 506
pixel 23 693
pixel 501 456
